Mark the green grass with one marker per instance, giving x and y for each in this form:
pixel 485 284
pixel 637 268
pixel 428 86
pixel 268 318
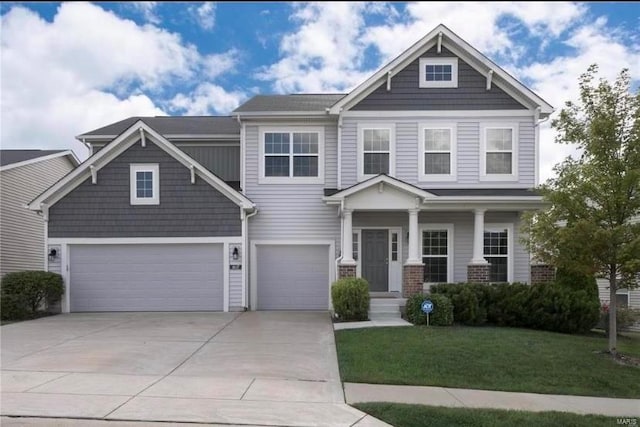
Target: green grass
pixel 488 358
pixel 401 415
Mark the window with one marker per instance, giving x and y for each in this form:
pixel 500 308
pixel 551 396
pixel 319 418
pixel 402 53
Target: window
pixel 622 299
pixel 499 157
pixel 497 243
pixel 355 243
pixel 394 246
pixel 145 184
pixel 438 72
pixel 292 156
pixel 436 253
pixel 437 160
pixel 377 155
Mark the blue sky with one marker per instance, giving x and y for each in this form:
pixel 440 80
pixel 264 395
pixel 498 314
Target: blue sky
pixel 68 68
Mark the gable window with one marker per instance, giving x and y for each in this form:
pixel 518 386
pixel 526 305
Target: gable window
pixel 437 160
pixel 497 252
pixel 438 72
pixel 145 184
pixel 499 153
pixel 376 146
pixel 436 253
pixel 293 156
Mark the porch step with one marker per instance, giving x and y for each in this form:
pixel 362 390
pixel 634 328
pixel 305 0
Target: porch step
pixel 385 308
pixel 384 316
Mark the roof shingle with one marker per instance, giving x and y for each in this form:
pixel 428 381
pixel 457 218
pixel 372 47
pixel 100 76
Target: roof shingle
pixel 175 125
pixel 288 103
pixel 9 157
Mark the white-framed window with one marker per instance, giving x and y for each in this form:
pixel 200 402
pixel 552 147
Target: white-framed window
pixel 355 252
pixel 438 72
pixel 437 252
pixel 144 182
pixel 437 154
pixel 376 150
pixel 622 298
pixel 498 251
pixel 292 155
pixel 499 152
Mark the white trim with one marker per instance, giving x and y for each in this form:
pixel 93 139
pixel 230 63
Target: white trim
pixel 291 129
pixel 424 83
pixel 46 245
pixel 453 151
pixel 501 226
pixel 391 127
pixel 393 182
pixel 438 113
pixel 515 141
pixel 358 231
pixel 225 276
pixel 449 228
pixel 253 292
pixel 477 60
pixel 117 147
pixel 141 240
pixel 154 168
pixel 66 276
pixel 70 153
pixel 394 272
pixel 243 150
pixel 536 130
pixel 280 113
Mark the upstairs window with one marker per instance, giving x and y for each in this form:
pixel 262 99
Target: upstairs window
pixel 499 153
pixel 292 156
pixel 145 184
pixel 437 160
pixel 438 72
pixel 376 146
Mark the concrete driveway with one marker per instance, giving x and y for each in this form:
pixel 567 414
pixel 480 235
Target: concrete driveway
pixel 262 368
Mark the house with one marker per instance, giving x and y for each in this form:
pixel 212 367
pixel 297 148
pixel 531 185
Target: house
pixel 24 174
pixel 417 176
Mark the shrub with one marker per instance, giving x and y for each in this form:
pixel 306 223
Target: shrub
pixel 442 314
pixel 350 298
pixel 24 293
pixel 577 281
pixel 625 317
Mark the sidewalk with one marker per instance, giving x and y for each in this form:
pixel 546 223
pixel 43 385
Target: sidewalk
pixel 457 397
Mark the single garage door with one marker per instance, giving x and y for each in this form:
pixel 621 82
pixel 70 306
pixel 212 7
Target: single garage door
pixel 293 277
pixel 146 277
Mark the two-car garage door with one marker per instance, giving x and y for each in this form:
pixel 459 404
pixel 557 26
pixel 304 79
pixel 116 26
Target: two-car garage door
pixel 138 277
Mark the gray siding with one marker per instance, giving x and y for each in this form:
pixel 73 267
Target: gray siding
pixel 471 93
pixel 222 160
pixel 462 235
pixel 55 264
pixel 104 209
pixel 634 299
pixel 288 211
pixel 22 230
pixel 468 150
pixel 146 277
pixel 235 280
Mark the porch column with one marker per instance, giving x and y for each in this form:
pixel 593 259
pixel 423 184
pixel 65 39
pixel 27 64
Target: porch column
pixel 478 268
pixel 414 238
pixel 347 238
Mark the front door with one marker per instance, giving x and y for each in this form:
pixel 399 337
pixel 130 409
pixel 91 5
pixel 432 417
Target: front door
pixel 375 259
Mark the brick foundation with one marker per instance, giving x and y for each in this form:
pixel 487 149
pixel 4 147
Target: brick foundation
pixel 478 273
pixel 412 279
pixel 346 271
pixel 542 273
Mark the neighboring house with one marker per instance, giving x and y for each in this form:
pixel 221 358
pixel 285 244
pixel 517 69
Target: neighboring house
pixel 417 176
pixel 24 174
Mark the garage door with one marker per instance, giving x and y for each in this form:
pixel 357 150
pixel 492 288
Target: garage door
pixel 293 277
pixel 146 277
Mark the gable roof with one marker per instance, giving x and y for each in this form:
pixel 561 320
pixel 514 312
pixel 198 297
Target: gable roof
pixel 171 126
pixel 117 147
pixel 295 103
pixel 462 49
pixel 381 179
pixel 10 159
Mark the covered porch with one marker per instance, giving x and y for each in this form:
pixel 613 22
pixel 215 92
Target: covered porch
pixel 403 238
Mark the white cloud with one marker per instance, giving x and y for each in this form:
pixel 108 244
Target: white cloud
pixel 204 15
pixel 87 68
pixel 147 9
pixel 207 99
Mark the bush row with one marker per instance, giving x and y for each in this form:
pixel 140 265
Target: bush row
pixel 23 294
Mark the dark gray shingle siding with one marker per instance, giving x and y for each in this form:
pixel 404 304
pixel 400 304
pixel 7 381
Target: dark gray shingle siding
pixel 104 210
pixel 296 102
pixel 471 93
pixel 224 161
pixel 201 125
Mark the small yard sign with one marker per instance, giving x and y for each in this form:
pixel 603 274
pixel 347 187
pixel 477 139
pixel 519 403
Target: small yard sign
pixel 427 306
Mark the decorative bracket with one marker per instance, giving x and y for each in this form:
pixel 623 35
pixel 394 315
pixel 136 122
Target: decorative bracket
pixel 440 42
pixel 388 81
pixel 142 138
pixel 94 174
pixel 193 174
pixel 489 77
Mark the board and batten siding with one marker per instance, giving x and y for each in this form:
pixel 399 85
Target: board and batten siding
pixel 22 230
pixel 235 279
pixel 405 94
pixel 462 235
pixel 291 211
pixel 221 159
pixel 468 150
pixel 104 209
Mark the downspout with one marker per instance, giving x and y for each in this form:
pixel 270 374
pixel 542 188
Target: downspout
pixel 537 123
pixel 340 208
pixel 339 181
pixel 245 252
pixel 242 149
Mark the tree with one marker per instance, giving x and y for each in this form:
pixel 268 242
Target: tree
pixel 592 225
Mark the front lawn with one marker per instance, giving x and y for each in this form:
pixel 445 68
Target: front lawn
pixel 401 415
pixel 488 358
